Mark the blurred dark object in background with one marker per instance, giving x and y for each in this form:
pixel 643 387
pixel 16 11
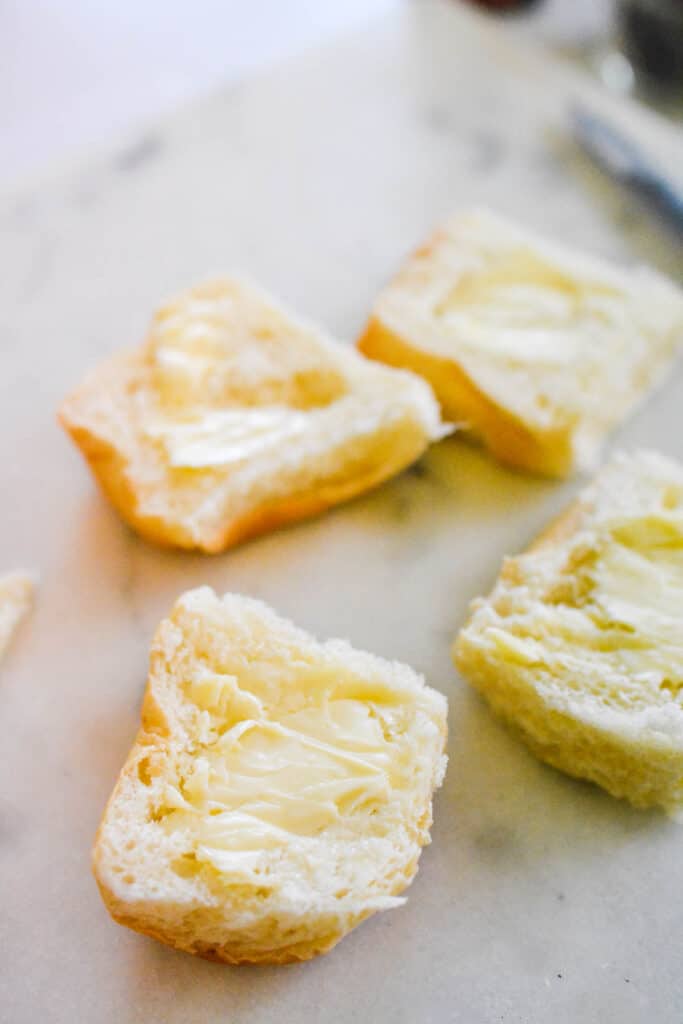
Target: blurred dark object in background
pixel 505 5
pixel 635 47
pixel 651 37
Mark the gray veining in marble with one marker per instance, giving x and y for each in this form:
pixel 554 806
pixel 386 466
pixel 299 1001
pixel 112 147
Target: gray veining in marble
pixel 540 898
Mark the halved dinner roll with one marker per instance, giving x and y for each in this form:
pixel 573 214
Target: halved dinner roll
pixel 234 417
pixel 278 793
pixel 536 349
pixel 580 645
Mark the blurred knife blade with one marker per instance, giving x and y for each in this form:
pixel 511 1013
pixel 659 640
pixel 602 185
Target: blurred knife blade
pixel 627 162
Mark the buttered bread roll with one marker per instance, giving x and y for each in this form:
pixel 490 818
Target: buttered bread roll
pixel 537 350
pixel 278 793
pixel 234 417
pixel 580 644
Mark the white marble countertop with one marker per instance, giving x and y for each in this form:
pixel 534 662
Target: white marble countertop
pixel 540 898
pixel 78 73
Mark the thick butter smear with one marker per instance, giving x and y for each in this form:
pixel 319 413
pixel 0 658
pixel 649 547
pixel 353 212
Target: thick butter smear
pixel 267 778
pixel 519 307
pixel 615 617
pixel 639 587
pixel 223 436
pixel 565 342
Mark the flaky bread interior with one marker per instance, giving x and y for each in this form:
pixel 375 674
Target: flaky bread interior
pixel 580 644
pixel 279 790
pixel 536 349
pixel 234 417
pixel 16 598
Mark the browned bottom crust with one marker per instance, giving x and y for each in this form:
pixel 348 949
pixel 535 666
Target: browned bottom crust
pixel 109 470
pixel 507 437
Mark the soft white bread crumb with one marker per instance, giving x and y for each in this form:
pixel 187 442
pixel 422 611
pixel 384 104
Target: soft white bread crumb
pixel 580 645
pixel 279 790
pixel 539 350
pixel 16 598
pixel 235 417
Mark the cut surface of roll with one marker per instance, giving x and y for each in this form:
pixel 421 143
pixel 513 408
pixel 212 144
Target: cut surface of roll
pixel 279 791
pixel 537 349
pixel 580 645
pixel 235 417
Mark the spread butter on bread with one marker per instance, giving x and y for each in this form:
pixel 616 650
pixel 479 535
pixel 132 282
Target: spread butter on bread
pixel 580 645
pixel 536 349
pixel 279 790
pixel 234 417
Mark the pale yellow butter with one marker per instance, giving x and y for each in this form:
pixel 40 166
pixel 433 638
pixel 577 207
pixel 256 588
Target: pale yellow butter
pixel 262 782
pixel 223 436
